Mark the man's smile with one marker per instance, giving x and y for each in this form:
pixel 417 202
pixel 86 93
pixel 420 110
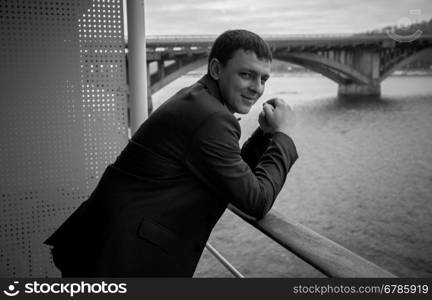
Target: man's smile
pixel 249 99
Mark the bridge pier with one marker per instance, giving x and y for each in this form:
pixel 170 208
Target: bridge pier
pixel 149 93
pixel 149 104
pixel 356 89
pixel 367 63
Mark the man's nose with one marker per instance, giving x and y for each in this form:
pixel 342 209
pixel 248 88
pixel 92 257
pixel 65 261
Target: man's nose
pixel 257 87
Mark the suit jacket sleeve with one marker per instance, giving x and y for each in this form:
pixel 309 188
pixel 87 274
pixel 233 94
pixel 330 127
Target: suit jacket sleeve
pixel 254 148
pixel 214 156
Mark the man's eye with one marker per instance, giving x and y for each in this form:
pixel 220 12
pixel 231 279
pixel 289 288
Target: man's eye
pixel 245 75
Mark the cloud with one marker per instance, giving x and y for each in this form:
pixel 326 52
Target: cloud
pixel 277 16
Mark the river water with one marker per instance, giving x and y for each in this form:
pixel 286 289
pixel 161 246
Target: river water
pixel 363 178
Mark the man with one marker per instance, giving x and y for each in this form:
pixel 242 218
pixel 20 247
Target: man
pixel 155 206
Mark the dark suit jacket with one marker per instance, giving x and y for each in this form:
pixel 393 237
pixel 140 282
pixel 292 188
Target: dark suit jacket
pixel 155 206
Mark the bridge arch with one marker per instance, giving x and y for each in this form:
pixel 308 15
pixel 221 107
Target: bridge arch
pixel 332 69
pixel 176 73
pixel 327 72
pixel 402 62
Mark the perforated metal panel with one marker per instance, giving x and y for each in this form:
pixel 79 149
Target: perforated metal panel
pixel 63 118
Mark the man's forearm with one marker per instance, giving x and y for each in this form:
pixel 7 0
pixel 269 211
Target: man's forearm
pixel 254 147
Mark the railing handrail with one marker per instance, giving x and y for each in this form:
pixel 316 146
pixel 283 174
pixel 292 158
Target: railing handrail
pixel 328 257
pixel 286 38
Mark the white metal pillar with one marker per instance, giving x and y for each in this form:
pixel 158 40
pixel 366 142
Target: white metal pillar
pixel 137 63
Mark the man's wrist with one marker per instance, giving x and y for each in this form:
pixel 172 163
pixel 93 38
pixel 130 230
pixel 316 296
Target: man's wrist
pixel 286 132
pixel 268 135
pixel 263 134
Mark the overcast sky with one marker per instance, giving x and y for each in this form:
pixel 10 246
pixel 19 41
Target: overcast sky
pixel 280 16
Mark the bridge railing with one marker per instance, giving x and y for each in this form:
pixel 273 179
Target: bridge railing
pixel 185 39
pixel 211 37
pixel 328 257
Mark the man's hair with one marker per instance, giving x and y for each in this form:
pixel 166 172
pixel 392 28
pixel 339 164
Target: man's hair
pixel 232 40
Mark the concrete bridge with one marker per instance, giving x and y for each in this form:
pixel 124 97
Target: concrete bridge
pixel 357 63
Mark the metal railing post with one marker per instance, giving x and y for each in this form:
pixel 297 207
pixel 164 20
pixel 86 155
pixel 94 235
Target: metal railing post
pixel 137 64
pixel 224 261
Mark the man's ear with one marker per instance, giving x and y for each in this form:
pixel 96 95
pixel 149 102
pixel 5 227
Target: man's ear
pixel 214 68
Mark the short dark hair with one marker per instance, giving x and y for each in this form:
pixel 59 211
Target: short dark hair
pixel 232 40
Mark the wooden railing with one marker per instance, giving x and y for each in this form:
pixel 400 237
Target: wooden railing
pixel 326 256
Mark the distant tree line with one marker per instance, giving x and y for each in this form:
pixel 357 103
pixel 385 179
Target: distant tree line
pixel 424 61
pixel 424 26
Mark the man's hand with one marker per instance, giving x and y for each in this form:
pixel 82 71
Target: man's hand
pixel 265 127
pixel 277 115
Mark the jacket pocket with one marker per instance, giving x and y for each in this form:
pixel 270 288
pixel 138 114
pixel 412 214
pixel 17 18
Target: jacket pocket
pixel 157 234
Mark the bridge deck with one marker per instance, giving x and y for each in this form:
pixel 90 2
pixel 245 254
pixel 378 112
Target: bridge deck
pixel 278 40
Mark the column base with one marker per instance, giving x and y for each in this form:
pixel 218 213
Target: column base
pixel 355 89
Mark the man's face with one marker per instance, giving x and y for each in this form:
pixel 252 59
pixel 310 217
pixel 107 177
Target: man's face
pixel 242 80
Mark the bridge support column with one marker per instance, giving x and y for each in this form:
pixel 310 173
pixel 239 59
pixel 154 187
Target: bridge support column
pixel 366 62
pixel 161 69
pixel 149 104
pixel 356 89
pixel 149 94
